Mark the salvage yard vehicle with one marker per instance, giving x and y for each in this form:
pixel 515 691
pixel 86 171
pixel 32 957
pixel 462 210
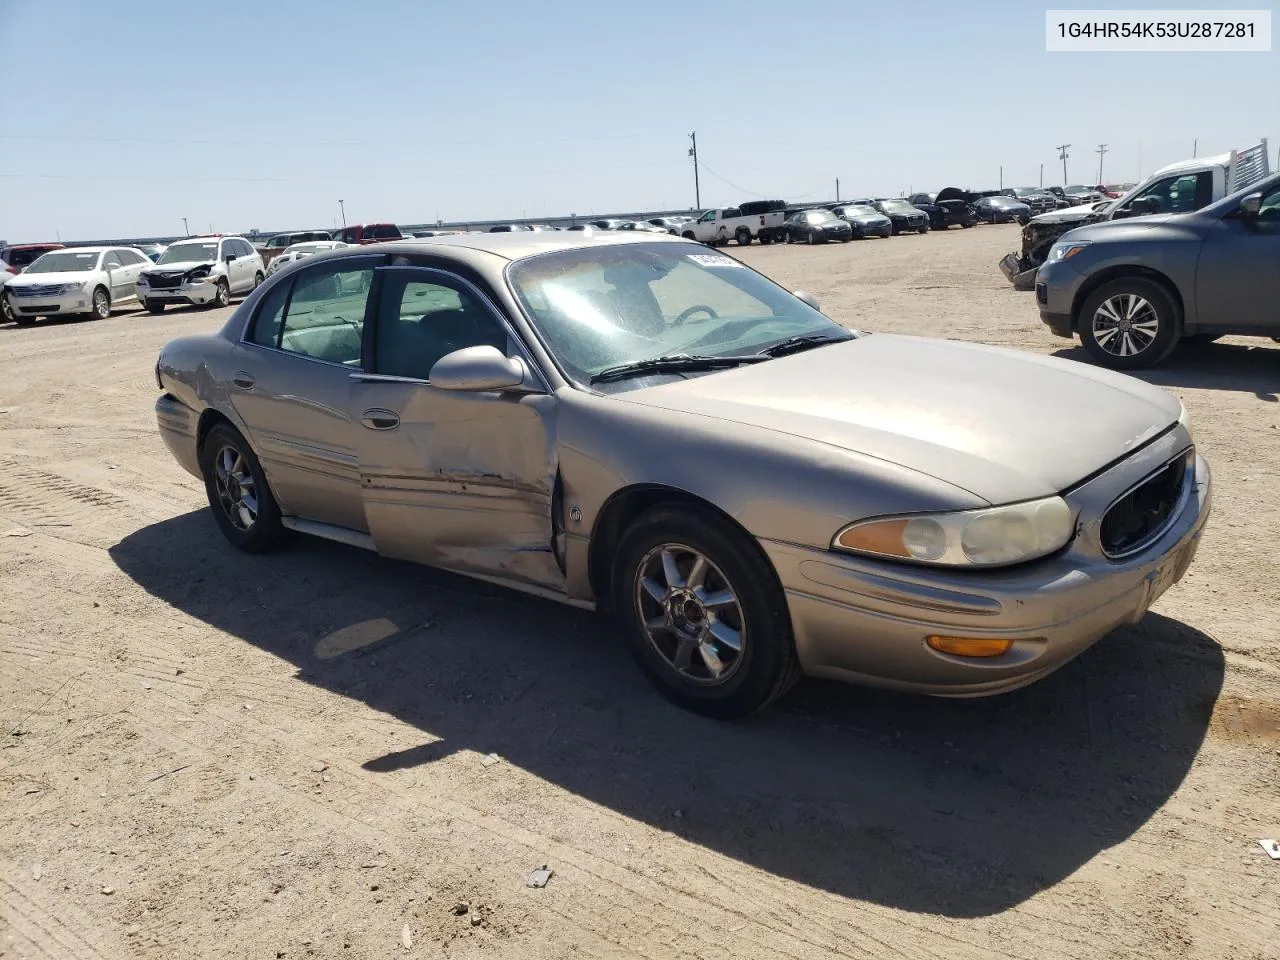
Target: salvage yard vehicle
pixel 78 281
pixel 757 220
pixel 300 250
pixel 283 241
pixel 1131 290
pixel 1037 198
pixel 864 220
pixel 905 217
pixel 815 226
pixel 1001 209
pixel 204 271
pixel 1177 188
pixel 365 233
pixel 950 206
pixel 640 424
pixel 19 256
pixel 670 224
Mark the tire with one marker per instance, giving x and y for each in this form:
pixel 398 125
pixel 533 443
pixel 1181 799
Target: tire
pixel 787 238
pixel 743 237
pixel 257 280
pixel 101 301
pixel 153 307
pixel 223 297
pixel 1129 300
pixel 924 229
pixel 812 237
pixel 762 668
pixel 223 452
pixel 688 235
pixel 6 310
pixel 966 225
pixel 766 238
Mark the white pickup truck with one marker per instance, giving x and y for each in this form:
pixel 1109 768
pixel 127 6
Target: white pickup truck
pixel 1177 188
pixel 756 220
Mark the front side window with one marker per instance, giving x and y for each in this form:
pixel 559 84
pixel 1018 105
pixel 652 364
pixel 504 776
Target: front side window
pixel 319 313
pixel 424 316
pixel 600 307
pixel 111 261
pixel 707 217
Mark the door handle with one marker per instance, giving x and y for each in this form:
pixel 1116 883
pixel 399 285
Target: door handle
pixel 243 380
pixel 378 419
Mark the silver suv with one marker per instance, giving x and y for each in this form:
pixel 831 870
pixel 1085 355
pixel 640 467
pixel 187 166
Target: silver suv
pixel 205 271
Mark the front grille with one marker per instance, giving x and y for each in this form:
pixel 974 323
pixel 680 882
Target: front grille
pixel 43 290
pixel 1143 514
pixel 164 281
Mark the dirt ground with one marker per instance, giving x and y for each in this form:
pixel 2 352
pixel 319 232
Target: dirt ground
pixel 209 754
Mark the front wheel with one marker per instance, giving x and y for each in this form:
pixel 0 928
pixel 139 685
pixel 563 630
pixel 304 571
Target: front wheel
pixel 704 613
pixel 101 305
pixel 6 309
pixel 241 501
pixel 223 295
pixel 257 279
pixel 153 307
pixel 1129 323
pixel 924 229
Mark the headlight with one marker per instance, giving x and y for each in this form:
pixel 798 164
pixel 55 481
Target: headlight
pixel 74 287
pixel 993 537
pixel 1064 251
pixel 199 273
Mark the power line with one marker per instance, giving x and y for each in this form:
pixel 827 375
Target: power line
pixel 180 141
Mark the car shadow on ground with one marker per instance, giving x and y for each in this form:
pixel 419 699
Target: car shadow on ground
pixel 1252 368
pixel 958 808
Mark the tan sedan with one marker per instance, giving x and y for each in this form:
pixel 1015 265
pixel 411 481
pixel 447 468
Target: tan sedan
pixel 636 422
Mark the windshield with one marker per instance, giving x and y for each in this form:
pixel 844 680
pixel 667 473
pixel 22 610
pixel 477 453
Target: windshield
pixel 1004 202
pixel 65 261
pixel 1027 191
pixel 897 206
pixel 190 253
pixel 860 211
pixel 599 307
pixel 819 216
pixel 1080 189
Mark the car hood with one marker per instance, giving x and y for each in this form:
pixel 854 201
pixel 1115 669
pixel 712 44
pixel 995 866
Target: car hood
pixel 180 266
pixel 1162 226
pixel 62 276
pixel 953 193
pixel 1003 425
pixel 1080 214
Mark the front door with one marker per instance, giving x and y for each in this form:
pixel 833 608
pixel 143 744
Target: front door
pixel 122 285
pixel 1238 275
pixel 461 480
pixel 292 388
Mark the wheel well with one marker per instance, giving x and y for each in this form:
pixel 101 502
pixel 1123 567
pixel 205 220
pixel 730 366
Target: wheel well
pixel 104 290
pixel 208 420
pixel 1120 273
pixel 620 511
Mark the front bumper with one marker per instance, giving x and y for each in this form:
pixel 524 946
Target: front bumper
pixel 1057 286
pixel 863 621
pixel 49 305
pixel 194 292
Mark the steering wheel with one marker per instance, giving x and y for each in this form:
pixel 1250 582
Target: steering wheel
pixel 696 308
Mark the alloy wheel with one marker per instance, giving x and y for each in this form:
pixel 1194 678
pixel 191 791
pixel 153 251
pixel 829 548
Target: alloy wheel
pixel 1125 325
pixel 691 614
pixel 101 305
pixel 236 487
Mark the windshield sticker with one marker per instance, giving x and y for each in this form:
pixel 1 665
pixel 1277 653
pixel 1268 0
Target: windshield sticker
pixel 713 260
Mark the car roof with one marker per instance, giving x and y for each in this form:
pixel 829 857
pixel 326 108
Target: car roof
pixel 525 243
pixel 34 246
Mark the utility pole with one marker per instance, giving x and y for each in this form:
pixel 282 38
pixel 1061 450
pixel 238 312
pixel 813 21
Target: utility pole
pixel 1101 152
pixel 837 189
pixel 1194 145
pixel 1042 174
pixel 1062 155
pixel 185 228
pixel 693 152
pixel 1001 177
pixel 342 206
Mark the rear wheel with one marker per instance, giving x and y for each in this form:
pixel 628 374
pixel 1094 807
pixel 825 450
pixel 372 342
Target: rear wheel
pixel 743 237
pixel 238 493
pixel 704 613
pixel 1129 323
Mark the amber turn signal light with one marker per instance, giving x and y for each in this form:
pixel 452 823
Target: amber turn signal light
pixel 970 646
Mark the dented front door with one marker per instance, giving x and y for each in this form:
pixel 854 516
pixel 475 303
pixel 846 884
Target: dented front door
pixel 459 480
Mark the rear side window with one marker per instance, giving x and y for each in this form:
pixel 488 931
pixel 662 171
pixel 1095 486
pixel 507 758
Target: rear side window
pixel 319 313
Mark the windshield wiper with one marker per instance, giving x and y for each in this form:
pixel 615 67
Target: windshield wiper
pixel 675 363
pixel 797 344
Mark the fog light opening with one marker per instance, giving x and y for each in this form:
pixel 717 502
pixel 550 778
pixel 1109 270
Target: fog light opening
pixel 970 646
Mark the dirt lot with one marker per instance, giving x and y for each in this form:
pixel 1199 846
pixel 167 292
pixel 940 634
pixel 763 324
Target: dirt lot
pixel 208 754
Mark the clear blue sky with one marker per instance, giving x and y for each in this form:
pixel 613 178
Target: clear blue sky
pixel 117 119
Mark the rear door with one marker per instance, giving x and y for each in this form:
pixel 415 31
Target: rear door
pixel 461 480
pixel 292 384
pixel 1238 275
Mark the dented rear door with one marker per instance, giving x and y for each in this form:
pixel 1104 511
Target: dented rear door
pixel 461 480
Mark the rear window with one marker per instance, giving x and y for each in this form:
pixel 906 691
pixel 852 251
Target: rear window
pixel 754 207
pixel 383 231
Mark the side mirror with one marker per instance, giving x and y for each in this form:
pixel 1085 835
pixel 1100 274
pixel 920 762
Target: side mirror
pixel 808 298
pixel 1142 206
pixel 1250 206
pixel 476 369
pixel 229 257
